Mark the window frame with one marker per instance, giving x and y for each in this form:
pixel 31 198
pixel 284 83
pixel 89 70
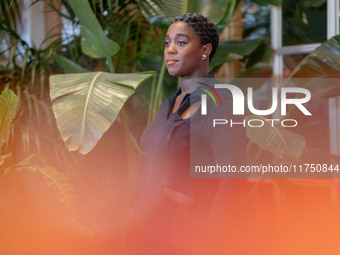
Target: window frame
pixel 280 51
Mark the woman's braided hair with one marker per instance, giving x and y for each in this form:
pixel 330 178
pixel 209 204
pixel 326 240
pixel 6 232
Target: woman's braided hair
pixel 203 28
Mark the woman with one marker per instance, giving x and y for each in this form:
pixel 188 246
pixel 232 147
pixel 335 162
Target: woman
pixel 179 211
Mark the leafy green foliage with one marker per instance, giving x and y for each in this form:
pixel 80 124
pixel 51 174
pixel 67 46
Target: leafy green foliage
pixel 160 12
pixel 10 11
pixel 53 178
pixel 94 41
pixel 304 22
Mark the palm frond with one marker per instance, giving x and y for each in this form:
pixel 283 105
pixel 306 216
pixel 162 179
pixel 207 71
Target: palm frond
pixel 54 180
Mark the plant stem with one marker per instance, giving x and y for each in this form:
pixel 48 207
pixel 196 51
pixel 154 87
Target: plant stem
pixel 152 99
pixel 258 154
pixel 135 45
pixel 147 42
pixel 185 6
pixel 158 94
pixel 110 64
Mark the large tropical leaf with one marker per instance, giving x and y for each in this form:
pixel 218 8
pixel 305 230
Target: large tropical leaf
pixel 228 14
pixel 68 65
pixel 85 105
pixel 322 87
pixel 160 12
pixel 278 140
pixel 319 72
pixel 94 40
pixel 8 109
pixel 95 48
pixel 255 77
pixel 226 49
pixel 324 61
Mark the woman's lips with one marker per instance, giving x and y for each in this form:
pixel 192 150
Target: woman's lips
pixel 171 62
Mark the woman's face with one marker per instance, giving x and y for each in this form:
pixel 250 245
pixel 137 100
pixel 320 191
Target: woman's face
pixel 183 51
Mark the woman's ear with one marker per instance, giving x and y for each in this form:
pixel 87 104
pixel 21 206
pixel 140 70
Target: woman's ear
pixel 207 48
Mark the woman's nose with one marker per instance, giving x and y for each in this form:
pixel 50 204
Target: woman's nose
pixel 171 49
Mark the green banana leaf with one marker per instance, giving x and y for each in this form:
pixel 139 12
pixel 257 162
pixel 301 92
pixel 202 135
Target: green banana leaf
pixel 226 49
pixel 161 12
pixel 85 105
pixel 278 140
pixel 8 109
pixel 262 72
pixel 68 65
pixel 94 41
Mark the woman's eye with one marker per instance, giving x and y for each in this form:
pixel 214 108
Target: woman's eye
pixel 181 43
pixel 166 43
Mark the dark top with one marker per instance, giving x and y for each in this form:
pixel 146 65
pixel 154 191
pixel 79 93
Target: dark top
pixel 164 186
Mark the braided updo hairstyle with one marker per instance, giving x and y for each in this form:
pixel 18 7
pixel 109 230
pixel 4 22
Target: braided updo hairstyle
pixel 203 28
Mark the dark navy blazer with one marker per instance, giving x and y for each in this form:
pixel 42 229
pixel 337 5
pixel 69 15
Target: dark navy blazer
pixel 167 195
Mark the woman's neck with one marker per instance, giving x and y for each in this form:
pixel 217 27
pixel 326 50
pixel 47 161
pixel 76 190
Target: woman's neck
pixel 189 84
